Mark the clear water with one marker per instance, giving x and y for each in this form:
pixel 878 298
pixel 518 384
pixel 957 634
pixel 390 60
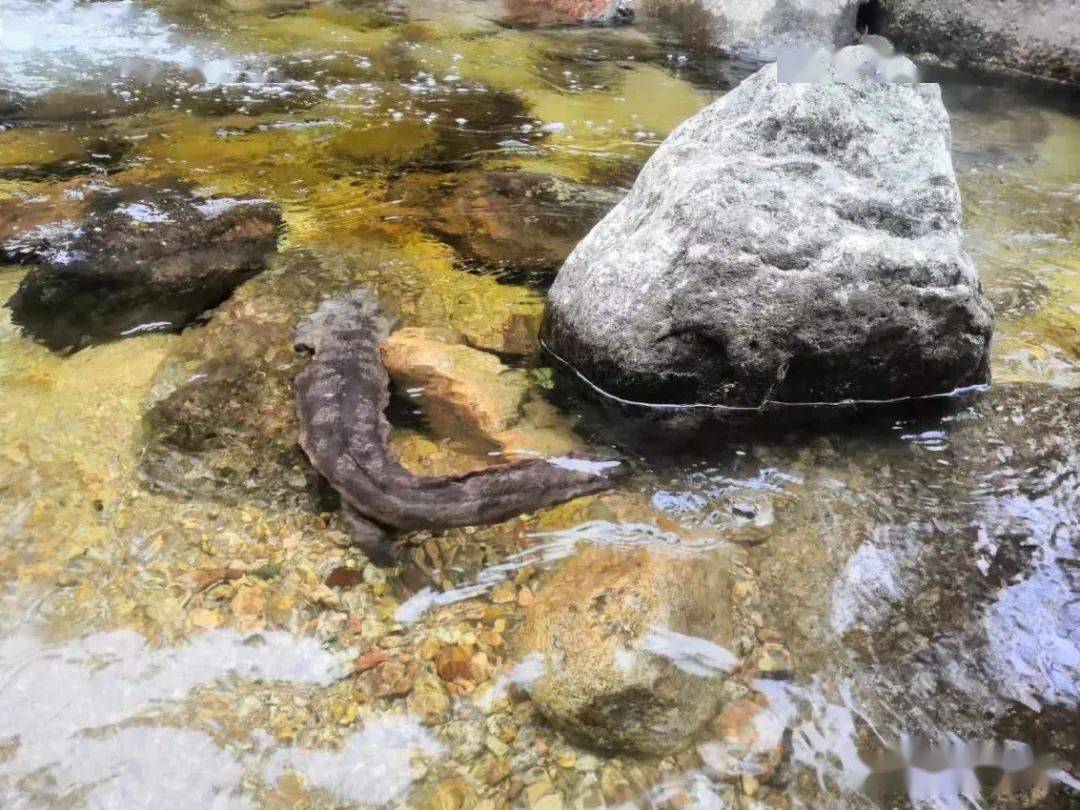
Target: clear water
pixel 168 639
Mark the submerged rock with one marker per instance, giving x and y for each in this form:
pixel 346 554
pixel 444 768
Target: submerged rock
pixel 540 12
pixel 521 224
pixel 628 651
pixel 761 30
pixel 149 260
pixel 342 396
pixel 221 418
pixel 792 242
pixel 1044 41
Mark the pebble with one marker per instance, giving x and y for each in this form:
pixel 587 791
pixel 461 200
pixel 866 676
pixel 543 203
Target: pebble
pixel 497 746
pixel 587 763
pixel 773 660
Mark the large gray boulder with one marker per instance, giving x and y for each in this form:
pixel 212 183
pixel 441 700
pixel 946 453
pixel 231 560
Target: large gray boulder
pixel 1041 37
pixel 792 242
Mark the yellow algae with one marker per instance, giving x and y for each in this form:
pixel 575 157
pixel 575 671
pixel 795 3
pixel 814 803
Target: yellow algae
pixel 597 128
pixel 1045 346
pixel 382 142
pixel 294 34
pixel 1024 226
pixel 34 146
pixel 506 61
pixel 336 210
pixel 429 290
pixel 277 163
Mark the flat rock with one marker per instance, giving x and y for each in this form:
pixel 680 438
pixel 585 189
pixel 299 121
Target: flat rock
pixel 793 242
pixel 143 260
pixel 220 420
pixel 630 647
pixel 470 395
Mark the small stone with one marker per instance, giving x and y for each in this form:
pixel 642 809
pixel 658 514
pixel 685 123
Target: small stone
pixel 428 701
pixel 370 660
pixel 552 801
pixel 393 679
pixel 750 784
pixel 541 795
pixel 490 638
pixel 503 593
pixel 774 661
pixel 526 597
pixel 497 746
pixel 587 763
pixel 344 578
pixel 480 668
pixel 615 787
pixel 429 648
pixel 493 769
pixel 247 607
pixel 205 618
pixel 454 662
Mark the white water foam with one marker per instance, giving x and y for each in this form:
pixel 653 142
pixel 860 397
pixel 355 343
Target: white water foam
pixel 46 44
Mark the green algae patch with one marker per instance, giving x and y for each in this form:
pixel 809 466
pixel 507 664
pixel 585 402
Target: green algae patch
pixel 1023 227
pixel 597 132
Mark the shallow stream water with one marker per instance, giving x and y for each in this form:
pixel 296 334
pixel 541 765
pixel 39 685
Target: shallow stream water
pixel 167 634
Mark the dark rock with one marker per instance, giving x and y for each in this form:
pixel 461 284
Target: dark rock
pixel 221 421
pixel 794 242
pixel 342 396
pixel 144 260
pixel 1042 40
pixel 759 31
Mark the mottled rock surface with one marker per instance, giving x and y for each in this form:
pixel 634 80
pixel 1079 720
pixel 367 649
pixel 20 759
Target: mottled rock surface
pixel 1042 38
pixel 630 648
pixel 792 242
pixel 220 420
pixel 144 260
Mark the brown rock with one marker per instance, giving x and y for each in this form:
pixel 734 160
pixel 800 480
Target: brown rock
pixel 371 659
pixel 344 578
pixel 521 220
pixel 546 12
pixel 453 662
pixel 633 646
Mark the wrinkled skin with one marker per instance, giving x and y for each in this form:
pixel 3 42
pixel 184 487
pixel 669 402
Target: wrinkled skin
pixel 342 396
